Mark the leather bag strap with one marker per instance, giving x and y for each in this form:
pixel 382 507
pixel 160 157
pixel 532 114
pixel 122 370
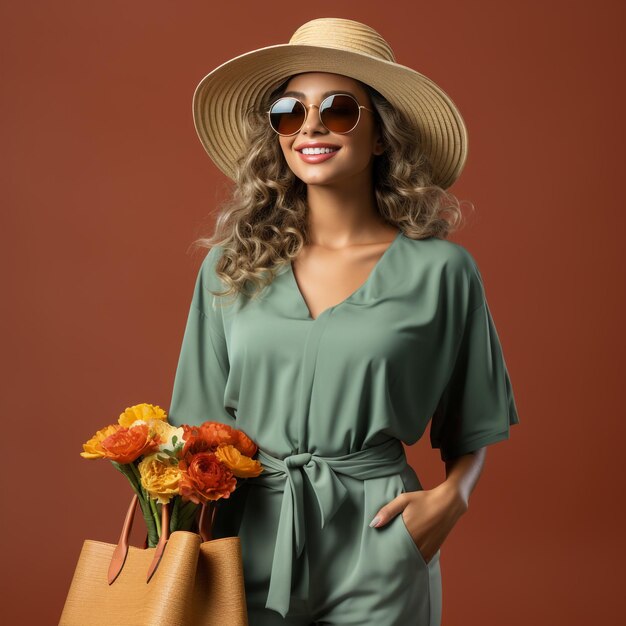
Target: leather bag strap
pixel 205 523
pixel 121 550
pixel 165 535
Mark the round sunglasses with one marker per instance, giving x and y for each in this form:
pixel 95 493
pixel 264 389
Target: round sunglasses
pixel 339 113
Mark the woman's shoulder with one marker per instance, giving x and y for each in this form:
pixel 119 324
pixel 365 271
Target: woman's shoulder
pixel 448 264
pixel 213 254
pixel 444 253
pixel 207 269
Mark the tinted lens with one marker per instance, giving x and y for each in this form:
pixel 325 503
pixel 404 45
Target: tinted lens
pixel 287 116
pixel 339 113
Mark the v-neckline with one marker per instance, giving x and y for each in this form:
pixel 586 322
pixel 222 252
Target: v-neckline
pixel 358 290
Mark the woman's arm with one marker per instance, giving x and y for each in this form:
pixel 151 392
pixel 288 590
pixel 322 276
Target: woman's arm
pixel 462 474
pixel 431 514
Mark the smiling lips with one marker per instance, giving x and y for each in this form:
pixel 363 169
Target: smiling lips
pixel 323 155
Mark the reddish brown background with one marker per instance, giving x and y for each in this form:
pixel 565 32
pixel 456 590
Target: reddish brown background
pixel 105 185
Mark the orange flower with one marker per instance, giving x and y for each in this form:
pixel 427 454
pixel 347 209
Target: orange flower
pixel 241 466
pixel 127 444
pixel 209 435
pixel 245 445
pixel 206 437
pixel 93 448
pixel 204 478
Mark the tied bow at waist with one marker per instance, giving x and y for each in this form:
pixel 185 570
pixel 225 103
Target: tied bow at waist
pixel 287 475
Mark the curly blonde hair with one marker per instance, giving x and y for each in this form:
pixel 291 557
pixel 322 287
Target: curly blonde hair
pixel 263 224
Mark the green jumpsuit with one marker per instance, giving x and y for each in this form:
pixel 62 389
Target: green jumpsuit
pixel 329 402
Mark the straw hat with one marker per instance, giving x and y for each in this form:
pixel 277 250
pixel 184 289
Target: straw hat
pixel 339 46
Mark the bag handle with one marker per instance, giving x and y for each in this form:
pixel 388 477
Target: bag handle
pixel 205 523
pixel 121 550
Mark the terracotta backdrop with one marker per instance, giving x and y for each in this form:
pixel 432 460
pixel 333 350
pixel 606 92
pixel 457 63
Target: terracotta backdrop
pixel 105 185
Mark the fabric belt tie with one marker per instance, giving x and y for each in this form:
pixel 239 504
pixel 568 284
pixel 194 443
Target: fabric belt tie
pixel 287 475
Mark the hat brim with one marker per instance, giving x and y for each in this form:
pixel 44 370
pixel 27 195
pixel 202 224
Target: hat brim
pixel 223 96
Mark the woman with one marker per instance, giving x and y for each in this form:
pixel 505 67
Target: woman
pixel 353 323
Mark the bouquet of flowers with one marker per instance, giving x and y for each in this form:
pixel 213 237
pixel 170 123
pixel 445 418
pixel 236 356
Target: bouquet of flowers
pixel 190 465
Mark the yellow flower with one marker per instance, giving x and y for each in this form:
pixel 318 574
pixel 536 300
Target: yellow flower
pixel 93 449
pixel 159 478
pixel 167 432
pixel 144 412
pixel 240 465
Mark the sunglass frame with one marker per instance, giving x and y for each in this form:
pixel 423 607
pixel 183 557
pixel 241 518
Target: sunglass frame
pixel 319 107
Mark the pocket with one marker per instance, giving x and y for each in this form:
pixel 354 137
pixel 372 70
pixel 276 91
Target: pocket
pixel 405 529
pixel 409 538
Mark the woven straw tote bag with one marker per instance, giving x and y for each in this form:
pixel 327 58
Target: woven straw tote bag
pixel 188 579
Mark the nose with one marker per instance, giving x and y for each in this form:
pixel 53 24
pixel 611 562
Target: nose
pixel 312 121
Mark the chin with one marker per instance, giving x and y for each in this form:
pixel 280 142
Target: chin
pixel 318 179
pixel 318 174
pixel 315 175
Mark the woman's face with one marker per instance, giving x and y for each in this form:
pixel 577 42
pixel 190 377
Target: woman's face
pixel 356 149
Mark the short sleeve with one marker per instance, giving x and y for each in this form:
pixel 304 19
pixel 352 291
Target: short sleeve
pixel 477 406
pixel 203 364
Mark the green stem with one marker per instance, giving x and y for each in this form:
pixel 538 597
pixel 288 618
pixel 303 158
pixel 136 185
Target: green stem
pixel 152 503
pixel 131 471
pixel 187 515
pixel 153 531
pixel 174 517
pixel 155 512
pixel 124 469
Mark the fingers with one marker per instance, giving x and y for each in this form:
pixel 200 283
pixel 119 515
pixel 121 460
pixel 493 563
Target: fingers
pixel 389 511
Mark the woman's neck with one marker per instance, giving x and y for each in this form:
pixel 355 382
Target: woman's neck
pixel 344 216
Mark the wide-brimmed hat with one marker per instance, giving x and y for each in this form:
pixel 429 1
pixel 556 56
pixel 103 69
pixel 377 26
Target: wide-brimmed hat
pixel 340 46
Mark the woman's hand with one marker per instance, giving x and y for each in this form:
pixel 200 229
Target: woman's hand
pixel 429 515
